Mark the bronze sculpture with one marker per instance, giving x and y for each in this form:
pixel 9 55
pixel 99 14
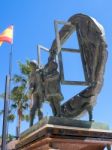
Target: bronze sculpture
pixel 45 86
pixel 93 53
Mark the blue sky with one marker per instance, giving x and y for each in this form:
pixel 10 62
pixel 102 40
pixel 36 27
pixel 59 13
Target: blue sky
pixel 33 22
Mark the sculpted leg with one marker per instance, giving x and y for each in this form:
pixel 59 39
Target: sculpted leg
pixel 57 107
pixel 33 109
pixel 40 114
pixel 90 113
pixel 53 107
pixel 39 106
pixel 32 115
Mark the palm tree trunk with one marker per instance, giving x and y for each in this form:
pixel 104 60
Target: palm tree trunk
pixel 19 124
pixel 19 118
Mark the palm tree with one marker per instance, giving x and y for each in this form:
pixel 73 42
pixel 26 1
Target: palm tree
pixel 19 96
pixel 11 115
pixel 19 103
pixel 19 93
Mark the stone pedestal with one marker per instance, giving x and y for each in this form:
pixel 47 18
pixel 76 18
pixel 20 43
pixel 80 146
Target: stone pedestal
pixel 65 134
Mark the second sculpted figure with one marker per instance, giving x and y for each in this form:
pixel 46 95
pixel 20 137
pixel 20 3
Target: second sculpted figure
pixel 52 86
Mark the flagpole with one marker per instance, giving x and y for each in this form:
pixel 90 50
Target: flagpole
pixel 10 61
pixel 4 130
pixel 6 99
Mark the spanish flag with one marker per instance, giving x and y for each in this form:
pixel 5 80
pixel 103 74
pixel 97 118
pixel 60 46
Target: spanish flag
pixel 7 35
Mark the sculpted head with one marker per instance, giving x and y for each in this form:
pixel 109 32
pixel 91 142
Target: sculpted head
pixel 34 64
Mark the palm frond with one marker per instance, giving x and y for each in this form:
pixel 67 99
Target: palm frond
pixel 25 68
pixel 13 106
pixel 19 79
pixel 11 117
pixel 26 117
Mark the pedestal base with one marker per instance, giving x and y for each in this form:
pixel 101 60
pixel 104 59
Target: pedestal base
pixel 49 135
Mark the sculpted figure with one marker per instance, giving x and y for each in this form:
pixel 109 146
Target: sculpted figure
pixel 36 91
pixel 52 86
